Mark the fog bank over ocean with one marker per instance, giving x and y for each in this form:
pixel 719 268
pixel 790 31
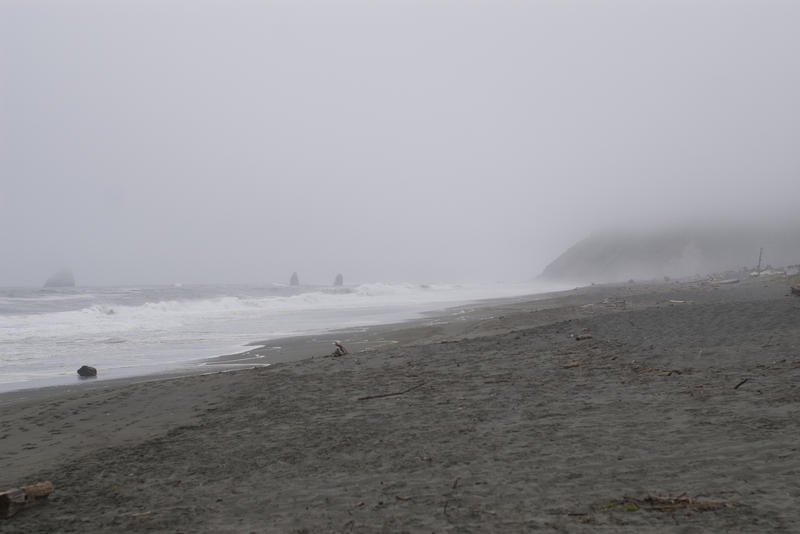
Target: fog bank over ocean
pixel 237 142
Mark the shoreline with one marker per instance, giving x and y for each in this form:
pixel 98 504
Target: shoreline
pixel 278 350
pixel 568 411
pixel 35 364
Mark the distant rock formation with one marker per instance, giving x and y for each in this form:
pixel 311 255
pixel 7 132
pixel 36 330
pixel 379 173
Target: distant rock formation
pixel 339 280
pixel 62 278
pixel 675 253
pixel 294 280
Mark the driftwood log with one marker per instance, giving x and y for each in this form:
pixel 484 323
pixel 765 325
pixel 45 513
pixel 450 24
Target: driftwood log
pixel 15 499
pixel 796 290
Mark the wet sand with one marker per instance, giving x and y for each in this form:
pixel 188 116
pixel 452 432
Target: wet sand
pixel 665 408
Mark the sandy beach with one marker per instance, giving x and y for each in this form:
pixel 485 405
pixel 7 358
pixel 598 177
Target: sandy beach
pixel 633 408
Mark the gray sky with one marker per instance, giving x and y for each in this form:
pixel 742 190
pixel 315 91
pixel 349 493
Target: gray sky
pixel 156 142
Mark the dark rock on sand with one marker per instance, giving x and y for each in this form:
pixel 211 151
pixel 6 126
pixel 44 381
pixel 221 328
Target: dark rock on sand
pixel 62 278
pixel 87 372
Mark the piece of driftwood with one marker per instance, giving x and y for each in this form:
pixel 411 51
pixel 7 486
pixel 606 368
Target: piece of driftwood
pixel 15 499
pixel 796 290
pixel 666 504
pixel 740 383
pixel 391 394
pixel 725 282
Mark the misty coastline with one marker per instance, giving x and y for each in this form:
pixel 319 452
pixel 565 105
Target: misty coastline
pixel 555 245
pixel 598 404
pixel 678 252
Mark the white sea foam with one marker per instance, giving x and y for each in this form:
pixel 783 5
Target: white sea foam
pixel 142 328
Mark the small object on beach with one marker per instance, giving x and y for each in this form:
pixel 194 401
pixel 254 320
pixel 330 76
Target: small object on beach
pixel 15 499
pixel 725 282
pixel 740 383
pixel 796 290
pixel 87 372
pixel 582 337
pixel 339 351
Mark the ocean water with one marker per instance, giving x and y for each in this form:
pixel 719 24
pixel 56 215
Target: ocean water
pixel 47 334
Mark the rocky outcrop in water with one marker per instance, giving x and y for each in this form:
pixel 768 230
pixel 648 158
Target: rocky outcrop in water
pixel 339 280
pixel 62 278
pixel 294 280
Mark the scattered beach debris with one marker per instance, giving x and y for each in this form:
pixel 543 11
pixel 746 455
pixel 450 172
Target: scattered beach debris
pixel 15 499
pixel 665 504
pixel 382 395
pixel 338 351
pixel 87 372
pixel 614 302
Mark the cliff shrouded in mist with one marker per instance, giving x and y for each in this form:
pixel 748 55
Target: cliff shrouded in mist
pixel 620 256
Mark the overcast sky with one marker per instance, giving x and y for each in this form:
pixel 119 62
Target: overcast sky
pixel 188 141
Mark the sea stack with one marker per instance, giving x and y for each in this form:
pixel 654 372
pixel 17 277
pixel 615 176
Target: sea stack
pixel 339 280
pixel 62 278
pixel 294 280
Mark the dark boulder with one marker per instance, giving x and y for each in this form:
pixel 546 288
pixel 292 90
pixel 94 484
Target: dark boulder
pixel 87 372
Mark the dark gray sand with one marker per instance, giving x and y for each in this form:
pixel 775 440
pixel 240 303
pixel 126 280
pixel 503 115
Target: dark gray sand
pixel 662 408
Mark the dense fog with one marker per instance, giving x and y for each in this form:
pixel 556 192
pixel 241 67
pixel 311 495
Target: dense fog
pixel 237 142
